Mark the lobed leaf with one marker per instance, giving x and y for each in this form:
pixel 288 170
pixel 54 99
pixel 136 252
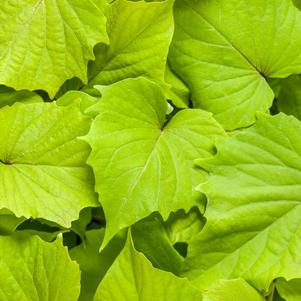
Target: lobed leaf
pixel 43 171
pixel 253 215
pixel 44 43
pixel 148 165
pixel 224 51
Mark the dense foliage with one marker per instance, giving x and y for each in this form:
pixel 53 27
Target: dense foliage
pixel 150 150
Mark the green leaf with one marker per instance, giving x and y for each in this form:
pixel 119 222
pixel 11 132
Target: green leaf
pixel 224 56
pixel 9 222
pixel 151 238
pixel 32 269
pixel 140 33
pixel 289 290
pixel 182 227
pixel 46 236
pixel 253 215
pixel 43 43
pixel 9 96
pixel 158 239
pixel 84 99
pixel 289 98
pixel 149 165
pixel 132 277
pixel 297 3
pixel 79 226
pixel 93 264
pixel 275 84
pixel 72 84
pixel 178 92
pixel 42 162
pixel 233 290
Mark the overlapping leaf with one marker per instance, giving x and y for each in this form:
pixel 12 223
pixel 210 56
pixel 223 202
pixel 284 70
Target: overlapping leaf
pixel 253 216
pixel 34 270
pixel 289 97
pixel 44 43
pixel 164 243
pixel 9 96
pixel 140 33
pixel 132 277
pixel 178 92
pixel 225 49
pixel 94 264
pixel 141 164
pixel 233 290
pixel 289 290
pixel 42 162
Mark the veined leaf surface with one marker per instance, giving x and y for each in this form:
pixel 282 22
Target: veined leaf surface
pixel 43 173
pixel 148 164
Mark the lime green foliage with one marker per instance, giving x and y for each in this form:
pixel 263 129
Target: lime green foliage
pixel 233 290
pixel 9 96
pixel 9 222
pixel 155 142
pixel 142 159
pixel 165 243
pixel 34 270
pixel 289 290
pixel 43 43
pixel 85 101
pixel 42 162
pixel 253 218
pixel 178 92
pixel 140 34
pixel 151 238
pixel 94 264
pixel 225 49
pixel 132 277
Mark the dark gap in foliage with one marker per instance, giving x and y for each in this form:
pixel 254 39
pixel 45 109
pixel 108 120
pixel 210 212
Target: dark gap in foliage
pixel 72 84
pixel 170 115
pixel 71 239
pixel 181 248
pixel 44 95
pixel 190 105
pixel 98 219
pixel 35 224
pixel 276 296
pixel 274 108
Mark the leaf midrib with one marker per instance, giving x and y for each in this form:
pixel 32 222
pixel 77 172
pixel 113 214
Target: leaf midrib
pixel 13 164
pixel 223 35
pixel 115 54
pixel 248 241
pixel 141 172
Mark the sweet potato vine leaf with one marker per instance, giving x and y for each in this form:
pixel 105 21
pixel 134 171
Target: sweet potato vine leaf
pixel 94 264
pixel 225 49
pixel 9 96
pixel 140 33
pixel 164 243
pixel 289 290
pixel 35 270
pixel 132 277
pixel 233 290
pixel 253 216
pixel 297 3
pixel 43 173
pixel 141 164
pixel 43 43
pixel 289 96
